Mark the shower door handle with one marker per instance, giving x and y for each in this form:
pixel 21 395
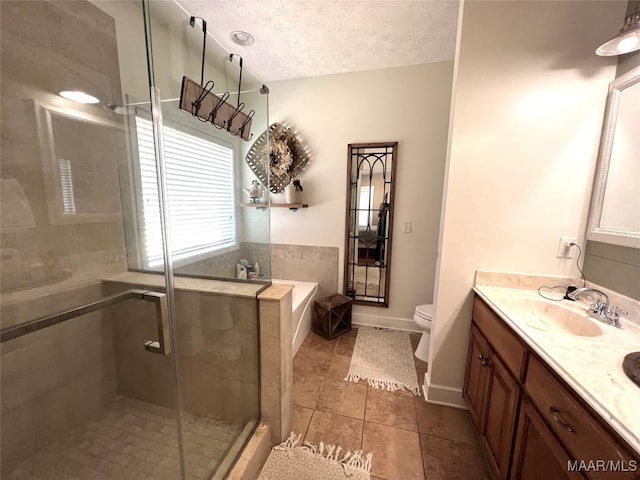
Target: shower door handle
pixel 162 346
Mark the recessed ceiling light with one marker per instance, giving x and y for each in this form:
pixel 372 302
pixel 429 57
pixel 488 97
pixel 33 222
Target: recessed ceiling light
pixel 78 96
pixel 242 38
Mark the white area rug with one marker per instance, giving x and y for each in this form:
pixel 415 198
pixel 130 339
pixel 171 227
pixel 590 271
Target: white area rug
pixel 292 461
pixel 384 358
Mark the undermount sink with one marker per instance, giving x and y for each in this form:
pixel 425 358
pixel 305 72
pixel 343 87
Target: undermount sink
pixel 544 315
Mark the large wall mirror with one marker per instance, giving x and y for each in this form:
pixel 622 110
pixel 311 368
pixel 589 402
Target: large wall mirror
pixel 369 221
pixel 615 207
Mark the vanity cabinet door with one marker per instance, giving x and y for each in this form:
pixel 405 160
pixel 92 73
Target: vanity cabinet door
pixel 492 396
pixel 501 406
pixel 476 377
pixel 537 454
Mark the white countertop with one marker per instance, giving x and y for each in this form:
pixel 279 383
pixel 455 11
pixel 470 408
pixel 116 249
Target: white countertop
pixel 592 366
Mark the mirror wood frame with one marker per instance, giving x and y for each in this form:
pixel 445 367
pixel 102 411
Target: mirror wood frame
pixel 388 149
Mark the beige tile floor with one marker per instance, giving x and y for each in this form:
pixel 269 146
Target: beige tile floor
pixel 409 438
pixel 133 440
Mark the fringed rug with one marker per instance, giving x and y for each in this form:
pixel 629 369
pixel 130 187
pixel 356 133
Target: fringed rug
pixel 292 461
pixel 384 358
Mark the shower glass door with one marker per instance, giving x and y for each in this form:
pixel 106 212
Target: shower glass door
pixel 217 241
pixel 129 346
pixel 88 378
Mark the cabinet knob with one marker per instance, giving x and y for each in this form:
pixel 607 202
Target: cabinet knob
pixel 555 415
pixel 484 361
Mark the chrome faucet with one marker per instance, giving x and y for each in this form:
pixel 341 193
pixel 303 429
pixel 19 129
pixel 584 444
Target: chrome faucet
pixel 599 309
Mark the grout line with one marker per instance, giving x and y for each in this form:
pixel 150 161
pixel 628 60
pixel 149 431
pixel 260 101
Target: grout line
pixel 304 437
pixel 306 430
pixel 395 426
pixel 364 416
pixel 422 449
pixel 415 409
pixel 324 381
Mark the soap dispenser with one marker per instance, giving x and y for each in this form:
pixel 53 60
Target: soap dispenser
pixel 241 271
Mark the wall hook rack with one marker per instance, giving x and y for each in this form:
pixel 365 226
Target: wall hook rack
pixel 200 101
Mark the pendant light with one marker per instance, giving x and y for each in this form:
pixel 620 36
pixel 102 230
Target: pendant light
pixel 628 40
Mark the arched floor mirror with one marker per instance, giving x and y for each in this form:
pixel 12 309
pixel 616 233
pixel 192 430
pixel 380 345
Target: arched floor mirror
pixel 369 222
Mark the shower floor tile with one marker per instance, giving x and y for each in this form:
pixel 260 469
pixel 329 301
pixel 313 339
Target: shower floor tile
pixel 133 440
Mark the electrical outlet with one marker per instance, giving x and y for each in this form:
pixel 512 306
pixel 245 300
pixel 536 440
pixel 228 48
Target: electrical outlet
pixel 406 227
pixel 564 247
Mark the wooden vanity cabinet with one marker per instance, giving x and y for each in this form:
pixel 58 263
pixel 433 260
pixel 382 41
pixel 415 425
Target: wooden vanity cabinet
pixel 493 395
pixel 579 431
pixel 506 385
pixel 537 453
pixel 476 378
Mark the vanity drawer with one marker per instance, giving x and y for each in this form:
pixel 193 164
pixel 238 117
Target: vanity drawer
pixel 588 440
pixel 510 349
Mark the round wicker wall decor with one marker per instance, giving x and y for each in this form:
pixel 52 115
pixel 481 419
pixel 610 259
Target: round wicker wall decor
pixel 281 162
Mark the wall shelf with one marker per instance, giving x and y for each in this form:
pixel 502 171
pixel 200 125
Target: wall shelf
pixel 290 206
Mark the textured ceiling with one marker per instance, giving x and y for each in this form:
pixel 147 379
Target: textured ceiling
pixel 305 38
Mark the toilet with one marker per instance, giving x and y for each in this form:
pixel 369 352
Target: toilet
pixel 422 318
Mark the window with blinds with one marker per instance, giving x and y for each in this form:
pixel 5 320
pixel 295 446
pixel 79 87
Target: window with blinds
pixel 66 186
pixel 200 194
pixel 365 205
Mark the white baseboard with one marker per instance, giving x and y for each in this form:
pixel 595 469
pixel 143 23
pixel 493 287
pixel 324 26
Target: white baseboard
pixel 395 323
pixel 443 395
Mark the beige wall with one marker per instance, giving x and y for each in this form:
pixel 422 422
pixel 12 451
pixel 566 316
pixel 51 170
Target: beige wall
pixel 177 49
pixel 409 105
pixel 528 104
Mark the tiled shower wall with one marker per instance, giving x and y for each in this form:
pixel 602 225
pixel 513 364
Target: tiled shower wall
pixel 288 262
pixel 307 263
pixel 224 265
pixel 40 245
pixel 62 376
pixel 218 354
pixel 55 379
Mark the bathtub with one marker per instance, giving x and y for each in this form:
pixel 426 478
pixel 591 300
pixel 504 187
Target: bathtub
pixel 302 294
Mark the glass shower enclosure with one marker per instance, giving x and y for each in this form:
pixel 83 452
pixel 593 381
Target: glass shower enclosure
pixel 130 347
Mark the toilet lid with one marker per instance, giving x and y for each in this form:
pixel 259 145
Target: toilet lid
pixel 425 311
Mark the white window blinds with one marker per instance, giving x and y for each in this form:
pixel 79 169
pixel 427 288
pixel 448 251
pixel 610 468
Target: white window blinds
pixel 200 194
pixel 66 185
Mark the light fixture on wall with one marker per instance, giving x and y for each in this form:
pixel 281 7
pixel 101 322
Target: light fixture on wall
pixel 628 40
pixel 78 96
